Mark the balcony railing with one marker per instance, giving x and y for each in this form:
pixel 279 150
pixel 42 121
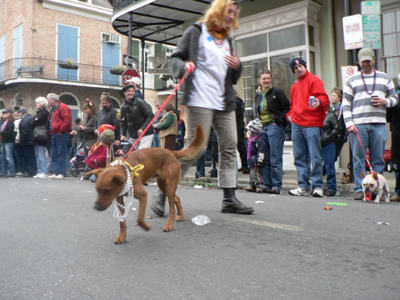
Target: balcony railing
pixel 30 67
pixel 118 4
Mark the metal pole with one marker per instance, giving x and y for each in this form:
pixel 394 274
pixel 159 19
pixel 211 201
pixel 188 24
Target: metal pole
pixel 143 63
pixel 349 62
pixel 130 34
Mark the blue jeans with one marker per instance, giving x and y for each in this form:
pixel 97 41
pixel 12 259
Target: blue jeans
pixel 329 156
pixel 7 156
pixel 272 175
pixel 59 146
pixel 201 166
pixel 18 159
pixel 41 159
pixel 373 136
pixel 156 141
pixel 30 160
pixel 307 143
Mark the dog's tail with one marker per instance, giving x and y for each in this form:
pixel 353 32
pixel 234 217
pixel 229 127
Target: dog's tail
pixel 195 147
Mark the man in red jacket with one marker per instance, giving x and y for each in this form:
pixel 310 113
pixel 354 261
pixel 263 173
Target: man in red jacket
pixel 60 121
pixel 308 103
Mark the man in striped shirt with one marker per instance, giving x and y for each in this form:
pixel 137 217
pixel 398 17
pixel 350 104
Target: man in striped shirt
pixel 366 96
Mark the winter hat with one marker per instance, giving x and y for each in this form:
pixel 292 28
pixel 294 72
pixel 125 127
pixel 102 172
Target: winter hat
pixel 254 126
pixel 105 97
pixel 105 127
pixel 296 61
pixel 108 136
pixel 128 87
pixel 23 110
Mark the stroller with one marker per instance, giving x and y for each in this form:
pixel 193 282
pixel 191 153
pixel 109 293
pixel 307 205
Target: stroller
pixel 77 162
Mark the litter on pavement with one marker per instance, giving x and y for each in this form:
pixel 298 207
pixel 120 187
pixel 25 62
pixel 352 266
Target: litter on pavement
pixel 201 220
pixel 382 223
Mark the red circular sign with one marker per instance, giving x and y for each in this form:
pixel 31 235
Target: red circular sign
pixel 127 75
pixel 350 71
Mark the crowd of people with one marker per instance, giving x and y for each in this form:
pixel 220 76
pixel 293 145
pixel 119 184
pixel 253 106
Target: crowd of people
pixel 319 126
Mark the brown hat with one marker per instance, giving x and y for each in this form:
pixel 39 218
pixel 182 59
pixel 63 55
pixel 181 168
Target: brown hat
pixel 105 97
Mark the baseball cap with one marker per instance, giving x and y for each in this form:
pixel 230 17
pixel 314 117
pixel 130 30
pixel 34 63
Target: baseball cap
pixel 7 111
pixel 366 53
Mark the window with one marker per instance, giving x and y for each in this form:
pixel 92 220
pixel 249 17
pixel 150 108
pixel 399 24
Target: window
pixel 287 38
pixel 18 46
pixel 391 43
pixel 67 39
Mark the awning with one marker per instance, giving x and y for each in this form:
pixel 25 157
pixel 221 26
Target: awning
pixel 158 20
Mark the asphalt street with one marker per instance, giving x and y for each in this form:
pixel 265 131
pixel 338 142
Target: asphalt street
pixel 54 245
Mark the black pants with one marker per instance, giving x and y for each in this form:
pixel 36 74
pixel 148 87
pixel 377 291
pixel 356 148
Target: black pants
pixel 28 152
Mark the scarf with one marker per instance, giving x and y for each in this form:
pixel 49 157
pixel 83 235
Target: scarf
pixel 3 127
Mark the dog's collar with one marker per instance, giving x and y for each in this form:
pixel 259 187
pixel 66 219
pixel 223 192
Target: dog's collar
pixel 128 188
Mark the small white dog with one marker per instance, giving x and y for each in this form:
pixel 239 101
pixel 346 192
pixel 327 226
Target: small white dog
pixel 375 183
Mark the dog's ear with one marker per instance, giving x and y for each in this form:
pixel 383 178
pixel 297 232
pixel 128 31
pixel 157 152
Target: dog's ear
pixel 94 172
pixel 119 179
pixel 375 175
pixel 362 175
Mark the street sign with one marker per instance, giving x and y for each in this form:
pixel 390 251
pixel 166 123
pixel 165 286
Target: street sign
pixel 130 61
pixel 347 71
pixel 370 7
pixel 372 31
pixel 159 71
pixel 353 32
pixel 127 75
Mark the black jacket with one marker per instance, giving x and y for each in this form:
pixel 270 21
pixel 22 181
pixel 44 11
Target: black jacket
pixel 277 104
pixel 90 128
pixel 109 116
pixel 7 135
pixel 25 131
pixel 187 50
pixel 330 132
pixel 135 115
pixel 40 119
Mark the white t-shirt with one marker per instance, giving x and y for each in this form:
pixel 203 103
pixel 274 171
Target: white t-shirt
pixel 210 73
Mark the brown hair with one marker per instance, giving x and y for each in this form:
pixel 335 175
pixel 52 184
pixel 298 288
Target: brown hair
pixel 338 92
pixel 215 15
pixel 263 71
pixel 10 117
pixel 90 105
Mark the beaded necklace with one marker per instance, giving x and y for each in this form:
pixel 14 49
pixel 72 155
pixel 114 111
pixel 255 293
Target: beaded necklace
pixel 365 85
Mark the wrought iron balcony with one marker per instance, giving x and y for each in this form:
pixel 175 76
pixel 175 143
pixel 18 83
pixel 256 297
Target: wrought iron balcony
pixel 118 4
pixel 31 67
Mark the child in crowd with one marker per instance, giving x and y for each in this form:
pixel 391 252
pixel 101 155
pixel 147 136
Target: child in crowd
pixel 255 156
pixel 330 133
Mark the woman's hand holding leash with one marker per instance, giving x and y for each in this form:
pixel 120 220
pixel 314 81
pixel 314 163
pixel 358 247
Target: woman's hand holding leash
pixel 352 129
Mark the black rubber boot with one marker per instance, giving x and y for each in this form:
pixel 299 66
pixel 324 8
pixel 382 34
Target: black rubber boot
pixel 158 205
pixel 231 204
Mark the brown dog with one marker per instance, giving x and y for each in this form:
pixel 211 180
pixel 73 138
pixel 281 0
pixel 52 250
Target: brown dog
pixel 159 163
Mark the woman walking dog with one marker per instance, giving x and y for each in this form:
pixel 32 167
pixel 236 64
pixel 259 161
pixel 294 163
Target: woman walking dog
pixel 206 52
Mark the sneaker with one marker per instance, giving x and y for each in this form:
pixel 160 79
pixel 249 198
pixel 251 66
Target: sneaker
pixel 52 176
pixel 274 190
pixel 246 171
pixel 395 198
pixel 358 196
pixel 19 174
pixel 59 176
pixel 259 190
pixel 250 188
pixel 299 191
pixel 331 193
pixel 318 192
pixel 42 176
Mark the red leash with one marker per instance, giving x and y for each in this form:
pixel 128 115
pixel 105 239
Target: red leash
pixel 365 154
pixel 156 115
pixel 368 196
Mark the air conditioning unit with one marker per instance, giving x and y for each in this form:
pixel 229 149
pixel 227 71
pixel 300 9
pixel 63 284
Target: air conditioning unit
pixel 111 38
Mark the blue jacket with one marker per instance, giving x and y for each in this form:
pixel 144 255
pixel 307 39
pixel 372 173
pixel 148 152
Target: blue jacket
pixel 257 152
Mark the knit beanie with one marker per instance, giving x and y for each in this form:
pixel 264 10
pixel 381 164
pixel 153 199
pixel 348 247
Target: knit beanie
pixel 108 136
pixel 296 61
pixel 105 97
pixel 104 127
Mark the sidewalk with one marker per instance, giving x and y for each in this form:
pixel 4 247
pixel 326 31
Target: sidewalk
pixel 289 181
